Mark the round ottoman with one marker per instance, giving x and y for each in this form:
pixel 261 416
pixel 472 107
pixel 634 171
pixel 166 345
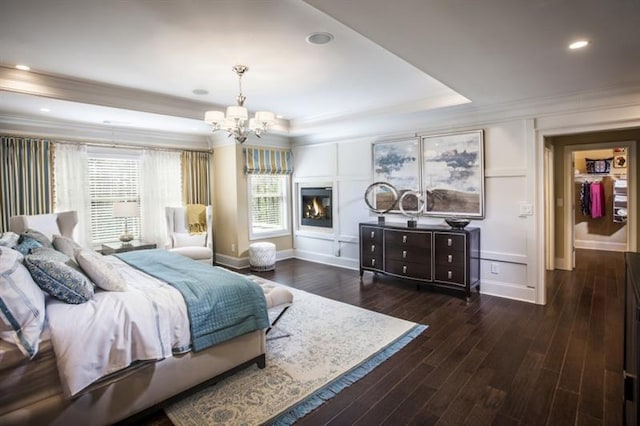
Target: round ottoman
pixel 262 256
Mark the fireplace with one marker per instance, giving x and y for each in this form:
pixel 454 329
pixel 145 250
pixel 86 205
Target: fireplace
pixel 316 207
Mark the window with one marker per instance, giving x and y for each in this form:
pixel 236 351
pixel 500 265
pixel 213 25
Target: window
pixel 113 177
pixel 268 205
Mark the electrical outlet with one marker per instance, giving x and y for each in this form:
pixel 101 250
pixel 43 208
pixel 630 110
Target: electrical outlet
pixel 233 248
pixel 495 268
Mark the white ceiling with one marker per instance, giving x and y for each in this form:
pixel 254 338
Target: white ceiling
pixel 136 63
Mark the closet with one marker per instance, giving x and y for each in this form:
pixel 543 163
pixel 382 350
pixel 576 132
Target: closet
pixel 600 189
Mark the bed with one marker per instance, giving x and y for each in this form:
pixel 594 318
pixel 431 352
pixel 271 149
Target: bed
pixel 71 380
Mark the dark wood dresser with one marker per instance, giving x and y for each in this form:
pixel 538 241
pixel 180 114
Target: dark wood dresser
pixel 432 255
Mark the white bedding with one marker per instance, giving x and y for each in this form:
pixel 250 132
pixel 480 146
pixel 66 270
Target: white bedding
pixel 147 322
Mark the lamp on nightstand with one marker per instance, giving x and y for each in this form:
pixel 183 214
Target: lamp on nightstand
pixel 126 209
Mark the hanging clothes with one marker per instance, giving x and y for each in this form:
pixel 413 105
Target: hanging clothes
pixel 585 198
pixel 597 200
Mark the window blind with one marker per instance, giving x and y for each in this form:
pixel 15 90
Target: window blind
pixel 112 180
pixel 268 204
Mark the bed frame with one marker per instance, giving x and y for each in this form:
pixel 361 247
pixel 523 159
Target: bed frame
pixel 145 387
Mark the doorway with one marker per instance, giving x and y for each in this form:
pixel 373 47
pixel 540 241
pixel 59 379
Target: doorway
pixel 597 184
pixel 573 226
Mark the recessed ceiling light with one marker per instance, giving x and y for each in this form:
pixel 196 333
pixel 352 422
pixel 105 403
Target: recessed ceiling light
pixel 45 110
pixel 200 92
pixel 279 116
pixel 23 67
pixel 579 44
pixel 319 38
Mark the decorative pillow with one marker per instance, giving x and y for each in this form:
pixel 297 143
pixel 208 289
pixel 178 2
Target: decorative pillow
pixel 101 273
pixel 26 244
pixel 57 278
pixel 9 239
pixel 598 166
pixel 65 245
pixel 22 307
pixel 39 237
pixel 56 256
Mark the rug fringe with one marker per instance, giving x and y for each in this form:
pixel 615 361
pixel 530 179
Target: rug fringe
pixel 330 390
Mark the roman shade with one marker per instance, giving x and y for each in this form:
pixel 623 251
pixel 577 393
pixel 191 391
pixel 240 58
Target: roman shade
pixel 268 161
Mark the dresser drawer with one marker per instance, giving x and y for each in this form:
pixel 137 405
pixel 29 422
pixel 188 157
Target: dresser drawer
pixel 407 254
pixel 371 248
pixel 450 258
pixel 446 242
pixel 372 262
pixel 371 235
pixel 407 238
pixel 450 274
pixel 421 271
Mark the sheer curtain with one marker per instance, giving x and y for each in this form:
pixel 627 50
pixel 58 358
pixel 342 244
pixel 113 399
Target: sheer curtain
pixel 160 187
pixel 72 186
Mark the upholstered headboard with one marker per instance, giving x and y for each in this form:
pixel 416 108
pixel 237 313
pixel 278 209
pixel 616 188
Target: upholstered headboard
pixel 50 224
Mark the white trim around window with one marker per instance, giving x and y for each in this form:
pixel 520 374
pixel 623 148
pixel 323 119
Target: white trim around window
pixel 269 206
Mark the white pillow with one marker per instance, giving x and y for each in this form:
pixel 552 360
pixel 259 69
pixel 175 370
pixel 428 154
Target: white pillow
pixel 22 308
pixel 9 239
pixel 65 245
pixel 101 273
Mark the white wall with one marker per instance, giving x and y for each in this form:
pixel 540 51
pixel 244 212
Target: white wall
pixel 504 233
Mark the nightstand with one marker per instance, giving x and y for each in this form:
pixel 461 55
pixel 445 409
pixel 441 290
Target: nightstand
pixel 119 247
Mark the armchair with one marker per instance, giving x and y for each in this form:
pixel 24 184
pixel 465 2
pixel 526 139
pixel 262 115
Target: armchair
pixel 198 246
pixel 49 224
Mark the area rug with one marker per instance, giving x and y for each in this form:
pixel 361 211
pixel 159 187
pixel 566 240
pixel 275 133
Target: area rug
pixel 330 346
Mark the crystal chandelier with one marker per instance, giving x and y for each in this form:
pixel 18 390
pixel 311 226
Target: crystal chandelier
pixel 236 122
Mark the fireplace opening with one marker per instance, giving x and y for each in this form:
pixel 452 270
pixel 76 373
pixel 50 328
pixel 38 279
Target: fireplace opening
pixel 316 207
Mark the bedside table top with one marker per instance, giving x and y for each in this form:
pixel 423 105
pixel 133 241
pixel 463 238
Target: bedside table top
pixel 120 247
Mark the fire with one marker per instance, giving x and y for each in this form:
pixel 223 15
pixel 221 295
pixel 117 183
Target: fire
pixel 314 209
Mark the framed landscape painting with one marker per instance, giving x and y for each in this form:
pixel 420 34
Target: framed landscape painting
pixel 453 174
pixel 398 163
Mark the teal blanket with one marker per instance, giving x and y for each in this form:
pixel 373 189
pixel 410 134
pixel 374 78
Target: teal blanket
pixel 221 305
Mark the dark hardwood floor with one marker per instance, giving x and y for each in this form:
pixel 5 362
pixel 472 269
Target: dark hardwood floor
pixel 490 361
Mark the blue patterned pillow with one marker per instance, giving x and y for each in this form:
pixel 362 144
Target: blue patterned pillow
pixel 58 279
pixel 21 304
pixel 39 237
pixel 26 244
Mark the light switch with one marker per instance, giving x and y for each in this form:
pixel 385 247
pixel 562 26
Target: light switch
pixel 526 209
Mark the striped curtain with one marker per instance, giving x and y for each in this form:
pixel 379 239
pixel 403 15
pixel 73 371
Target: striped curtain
pixel 268 162
pixel 26 177
pixel 196 177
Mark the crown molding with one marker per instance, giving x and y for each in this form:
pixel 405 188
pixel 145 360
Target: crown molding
pixel 109 95
pixel 27 126
pixel 467 115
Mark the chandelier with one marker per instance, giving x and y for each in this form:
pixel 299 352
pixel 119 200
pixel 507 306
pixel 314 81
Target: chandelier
pixel 236 121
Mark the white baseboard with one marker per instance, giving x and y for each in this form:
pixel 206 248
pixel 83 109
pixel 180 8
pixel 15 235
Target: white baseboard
pixel 341 262
pixel 507 290
pixel 600 245
pixel 243 262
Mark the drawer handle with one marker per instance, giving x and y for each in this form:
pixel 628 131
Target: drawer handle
pixel 450 258
pixel 373 262
pixel 404 254
pixel 449 242
pixel 449 274
pixel 404 269
pixel 373 248
pixel 404 238
pixel 373 234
